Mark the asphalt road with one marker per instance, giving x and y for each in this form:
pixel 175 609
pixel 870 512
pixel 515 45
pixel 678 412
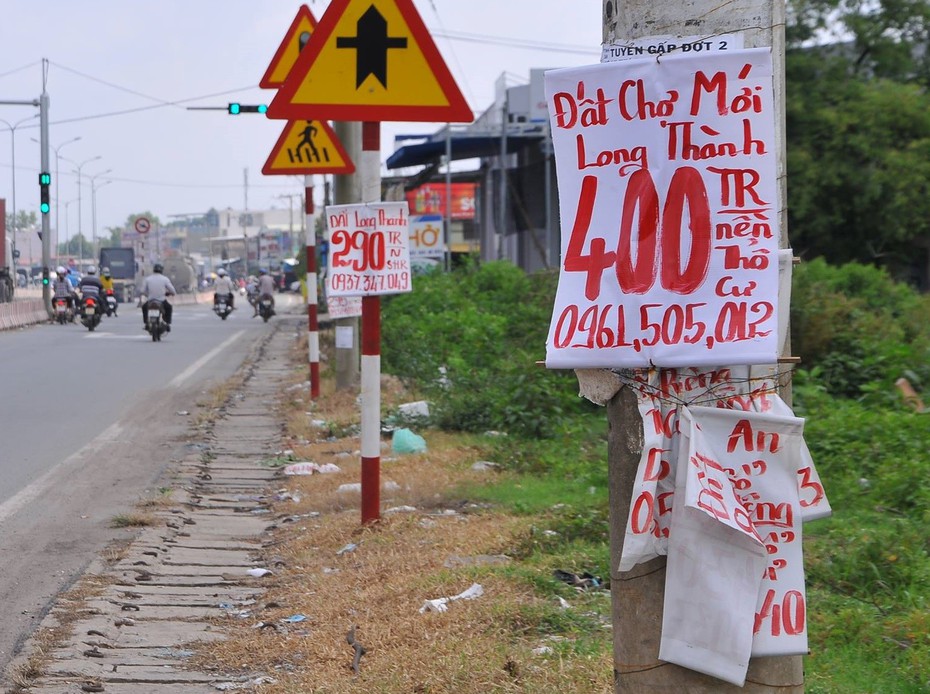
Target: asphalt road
pixel 88 422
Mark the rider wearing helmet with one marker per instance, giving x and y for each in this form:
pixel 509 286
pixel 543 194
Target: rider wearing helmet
pixel 62 287
pixel 157 286
pixel 223 287
pixel 265 288
pixel 106 279
pixel 91 286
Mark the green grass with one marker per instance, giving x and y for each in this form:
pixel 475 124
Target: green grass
pixel 868 567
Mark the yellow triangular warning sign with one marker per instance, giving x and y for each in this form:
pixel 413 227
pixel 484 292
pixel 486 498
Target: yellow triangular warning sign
pixel 371 60
pixel 308 147
pixel 294 40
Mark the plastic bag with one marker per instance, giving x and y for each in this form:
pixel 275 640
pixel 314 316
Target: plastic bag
pixel 405 441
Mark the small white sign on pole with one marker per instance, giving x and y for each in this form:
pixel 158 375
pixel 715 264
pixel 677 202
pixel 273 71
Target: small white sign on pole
pixel 345 337
pixel 426 235
pixel 369 249
pixel 344 306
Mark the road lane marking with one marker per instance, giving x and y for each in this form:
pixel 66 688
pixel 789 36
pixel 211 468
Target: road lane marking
pixel 32 491
pixel 192 369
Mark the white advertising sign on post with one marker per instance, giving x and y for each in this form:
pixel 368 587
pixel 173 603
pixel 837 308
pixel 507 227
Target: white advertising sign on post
pixel 369 249
pixel 426 236
pixel 668 196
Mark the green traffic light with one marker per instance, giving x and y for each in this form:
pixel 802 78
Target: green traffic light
pixel 234 109
pixel 45 179
pixel 263 108
pixel 44 208
pixel 45 280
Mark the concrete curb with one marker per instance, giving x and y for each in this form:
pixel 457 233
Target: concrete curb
pixel 23 312
pixel 187 570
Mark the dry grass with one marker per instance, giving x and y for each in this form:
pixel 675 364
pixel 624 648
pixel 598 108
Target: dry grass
pixel 484 645
pixel 69 609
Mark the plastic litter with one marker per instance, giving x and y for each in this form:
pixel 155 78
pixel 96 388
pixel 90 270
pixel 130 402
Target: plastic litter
pixel 401 509
pixel 405 441
pixel 309 468
pixel 585 581
pixel 442 604
pixel 258 573
pixel 351 547
pixel 485 466
pixel 294 619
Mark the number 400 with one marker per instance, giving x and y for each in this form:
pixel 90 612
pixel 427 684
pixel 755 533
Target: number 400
pixel 653 242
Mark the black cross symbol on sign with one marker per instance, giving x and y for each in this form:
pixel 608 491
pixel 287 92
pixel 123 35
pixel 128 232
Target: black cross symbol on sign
pixel 371 43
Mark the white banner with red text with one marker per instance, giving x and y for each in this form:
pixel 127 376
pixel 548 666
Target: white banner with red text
pixel 369 248
pixel 735 575
pixel 668 197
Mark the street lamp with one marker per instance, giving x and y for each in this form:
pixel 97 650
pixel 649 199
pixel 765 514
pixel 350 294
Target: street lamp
pixel 93 206
pixel 57 188
pixel 78 168
pixel 12 129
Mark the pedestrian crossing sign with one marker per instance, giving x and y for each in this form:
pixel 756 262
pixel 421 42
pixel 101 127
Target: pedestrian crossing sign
pixel 371 60
pixel 308 147
pixel 294 40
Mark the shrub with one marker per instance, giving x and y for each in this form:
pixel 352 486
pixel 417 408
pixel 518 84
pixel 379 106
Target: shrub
pixel 470 339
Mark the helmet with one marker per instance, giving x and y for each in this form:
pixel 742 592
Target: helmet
pixel 263 271
pixel 61 270
pixel 158 267
pixel 105 271
pixel 91 270
pixel 221 272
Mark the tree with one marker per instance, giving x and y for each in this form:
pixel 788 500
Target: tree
pixel 858 132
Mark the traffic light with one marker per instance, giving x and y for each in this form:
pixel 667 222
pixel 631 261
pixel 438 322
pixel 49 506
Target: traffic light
pixel 45 276
pixel 45 180
pixel 235 109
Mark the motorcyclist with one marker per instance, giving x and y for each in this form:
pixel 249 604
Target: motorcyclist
pixel 251 292
pixel 62 288
pixel 223 287
pixel 91 286
pixel 157 286
pixel 265 288
pixel 106 279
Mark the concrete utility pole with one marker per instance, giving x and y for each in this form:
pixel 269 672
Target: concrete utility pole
pixel 637 595
pixel 347 190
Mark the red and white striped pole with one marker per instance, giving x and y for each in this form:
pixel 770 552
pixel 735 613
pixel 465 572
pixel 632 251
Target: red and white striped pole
pixel 370 174
pixel 313 327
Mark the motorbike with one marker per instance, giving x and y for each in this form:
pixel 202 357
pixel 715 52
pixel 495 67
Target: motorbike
pixel 221 306
pixel 265 307
pixel 63 311
pixel 91 312
pixel 111 303
pixel 155 321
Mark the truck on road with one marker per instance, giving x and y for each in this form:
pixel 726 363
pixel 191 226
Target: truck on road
pixel 122 265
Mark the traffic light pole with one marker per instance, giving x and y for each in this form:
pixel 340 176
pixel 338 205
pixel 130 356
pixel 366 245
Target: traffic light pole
pixel 46 227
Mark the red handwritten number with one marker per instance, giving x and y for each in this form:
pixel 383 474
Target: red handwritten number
pixel 376 250
pixel 640 221
pixel 598 259
pixel 686 186
pixel 372 247
pixel 790 615
pixel 637 277
pixel 340 238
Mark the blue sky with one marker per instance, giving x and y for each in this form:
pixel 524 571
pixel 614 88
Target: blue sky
pixel 115 64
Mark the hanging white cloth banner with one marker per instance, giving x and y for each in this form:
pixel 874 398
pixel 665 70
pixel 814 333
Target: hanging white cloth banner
pixel 735 577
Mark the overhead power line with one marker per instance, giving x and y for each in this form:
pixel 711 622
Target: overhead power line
pixel 527 44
